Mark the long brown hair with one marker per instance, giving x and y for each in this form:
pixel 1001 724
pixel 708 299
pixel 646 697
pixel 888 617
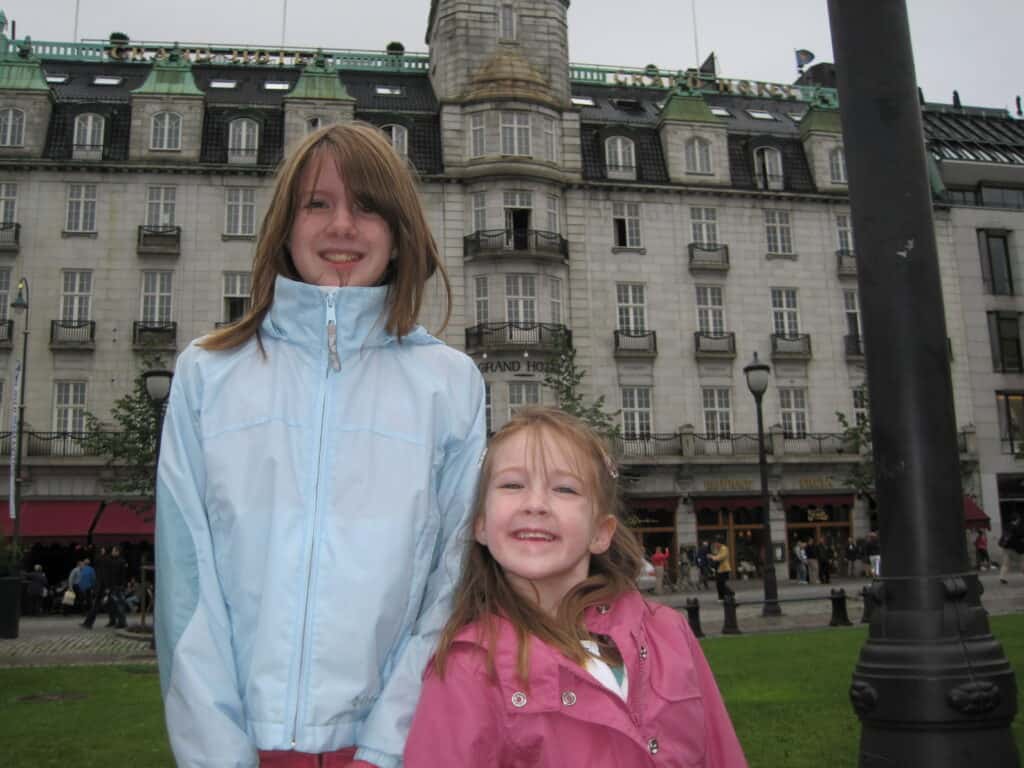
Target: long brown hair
pixel 380 181
pixel 484 592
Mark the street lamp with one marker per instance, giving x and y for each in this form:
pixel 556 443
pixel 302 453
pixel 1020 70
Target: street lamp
pixel 757 374
pixel 158 387
pixel 19 304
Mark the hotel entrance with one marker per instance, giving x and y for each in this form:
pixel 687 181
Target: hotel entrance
pixel 738 522
pixel 824 519
pixel 654 523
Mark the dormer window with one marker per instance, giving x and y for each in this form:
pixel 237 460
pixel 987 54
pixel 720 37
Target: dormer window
pixel 837 165
pixel 388 90
pixel 627 105
pixel 313 124
pixel 276 85
pixel 88 144
pixel 506 22
pixel 107 80
pixel 720 112
pixel 399 136
pixel 768 168
pixel 12 127
pixel 582 101
pixel 226 85
pixel 56 79
pixel 166 133
pixel 760 114
pixel 698 156
pixel 620 157
pixel 243 141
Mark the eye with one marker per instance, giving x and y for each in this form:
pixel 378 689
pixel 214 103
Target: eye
pixel 316 203
pixel 510 485
pixel 566 489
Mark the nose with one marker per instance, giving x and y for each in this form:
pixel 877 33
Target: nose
pixel 342 221
pixel 536 501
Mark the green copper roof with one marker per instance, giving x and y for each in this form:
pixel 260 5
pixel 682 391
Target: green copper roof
pixel 19 69
pixel 820 119
pixel 687 107
pixel 319 81
pixel 170 76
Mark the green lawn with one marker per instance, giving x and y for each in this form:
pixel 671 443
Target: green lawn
pixel 786 694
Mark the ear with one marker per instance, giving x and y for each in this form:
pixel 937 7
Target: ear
pixel 603 535
pixel 480 532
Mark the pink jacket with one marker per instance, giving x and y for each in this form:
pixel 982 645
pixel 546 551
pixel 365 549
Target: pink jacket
pixel 565 718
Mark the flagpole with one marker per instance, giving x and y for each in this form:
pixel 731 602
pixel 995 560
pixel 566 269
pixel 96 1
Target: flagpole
pixel 284 21
pixel 74 36
pixel 696 47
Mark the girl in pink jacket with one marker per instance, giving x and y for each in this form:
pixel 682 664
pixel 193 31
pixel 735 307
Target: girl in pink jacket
pixel 551 656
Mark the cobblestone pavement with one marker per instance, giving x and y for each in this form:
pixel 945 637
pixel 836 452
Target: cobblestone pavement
pixel 49 640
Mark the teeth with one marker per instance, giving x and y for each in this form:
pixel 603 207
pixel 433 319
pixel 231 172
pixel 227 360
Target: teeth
pixel 340 258
pixel 534 536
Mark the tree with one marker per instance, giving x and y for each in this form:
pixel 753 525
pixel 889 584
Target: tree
pixel 563 377
pixel 857 440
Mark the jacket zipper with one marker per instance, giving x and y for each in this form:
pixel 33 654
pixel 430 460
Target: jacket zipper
pixel 334 362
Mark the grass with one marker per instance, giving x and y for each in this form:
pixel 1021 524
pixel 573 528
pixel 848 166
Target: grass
pixel 786 694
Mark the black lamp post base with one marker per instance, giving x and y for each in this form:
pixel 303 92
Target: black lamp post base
pixel 771 608
pixel 937 747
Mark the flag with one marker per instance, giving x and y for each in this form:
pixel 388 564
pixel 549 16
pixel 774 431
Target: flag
pixel 803 58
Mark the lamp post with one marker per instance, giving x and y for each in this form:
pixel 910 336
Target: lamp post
pixel 19 304
pixel 757 382
pixel 158 387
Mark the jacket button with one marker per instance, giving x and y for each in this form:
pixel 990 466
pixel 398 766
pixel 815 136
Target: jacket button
pixel 603 608
pixel 568 698
pixel 519 699
pixel 643 652
pixel 652 745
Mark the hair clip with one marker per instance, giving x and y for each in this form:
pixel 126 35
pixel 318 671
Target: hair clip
pixel 609 465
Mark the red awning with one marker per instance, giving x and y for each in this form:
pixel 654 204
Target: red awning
pixel 700 503
pixel 818 500
pixel 669 502
pixel 125 521
pixel 52 519
pixel 974 516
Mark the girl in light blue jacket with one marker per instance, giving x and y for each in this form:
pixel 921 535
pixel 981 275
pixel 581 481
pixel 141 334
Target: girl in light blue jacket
pixel 318 458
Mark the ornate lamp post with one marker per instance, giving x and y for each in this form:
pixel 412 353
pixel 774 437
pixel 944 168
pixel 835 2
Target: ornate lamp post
pixel 158 387
pixel 757 374
pixel 19 305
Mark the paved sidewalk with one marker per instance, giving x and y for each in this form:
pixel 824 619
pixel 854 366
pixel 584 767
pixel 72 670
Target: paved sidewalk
pixel 59 640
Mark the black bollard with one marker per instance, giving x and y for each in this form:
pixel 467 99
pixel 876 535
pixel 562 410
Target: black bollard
pixel 693 616
pixel 839 616
pixel 865 595
pixel 731 626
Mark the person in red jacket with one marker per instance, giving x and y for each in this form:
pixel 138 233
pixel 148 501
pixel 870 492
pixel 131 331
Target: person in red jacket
pixel 658 560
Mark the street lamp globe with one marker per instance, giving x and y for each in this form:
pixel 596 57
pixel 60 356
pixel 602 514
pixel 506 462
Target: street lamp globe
pixel 757 374
pixel 158 386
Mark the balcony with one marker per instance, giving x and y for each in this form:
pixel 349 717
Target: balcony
pixel 846 263
pixel 87 152
pixel 61 444
pixel 791 347
pixel 10 237
pixel 73 334
pixel 708 258
pixel 636 344
pixel 148 334
pixel 728 445
pixel 534 243
pixel 714 346
pixel 240 156
pixel 648 445
pixel 517 337
pixel 816 444
pixel 159 241
pixel 6 333
pixel 853 343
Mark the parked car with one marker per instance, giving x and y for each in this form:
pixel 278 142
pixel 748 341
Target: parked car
pixel 645 581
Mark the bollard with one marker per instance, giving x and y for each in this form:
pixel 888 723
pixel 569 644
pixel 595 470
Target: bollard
pixel 730 627
pixel 693 616
pixel 839 617
pixel 865 594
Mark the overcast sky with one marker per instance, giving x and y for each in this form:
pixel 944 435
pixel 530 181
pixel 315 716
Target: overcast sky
pixel 969 45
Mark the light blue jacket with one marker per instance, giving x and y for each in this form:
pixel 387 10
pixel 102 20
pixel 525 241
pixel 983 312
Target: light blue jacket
pixel 308 519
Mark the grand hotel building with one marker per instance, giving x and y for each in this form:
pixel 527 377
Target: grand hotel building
pixel 670 223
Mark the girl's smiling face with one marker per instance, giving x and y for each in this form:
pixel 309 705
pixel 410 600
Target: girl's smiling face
pixel 540 521
pixel 335 241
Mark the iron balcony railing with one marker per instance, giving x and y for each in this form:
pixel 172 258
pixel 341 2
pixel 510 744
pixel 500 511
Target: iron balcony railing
pixel 731 444
pixel 705 256
pixel 488 242
pixel 854 345
pixel 818 444
pixel 773 181
pixel 649 445
pixel 72 333
pixel 154 333
pixel 10 236
pixel 61 444
pixel 639 343
pixel 243 155
pixel 792 346
pixel 714 345
pixel 846 263
pixel 159 240
pixel 492 336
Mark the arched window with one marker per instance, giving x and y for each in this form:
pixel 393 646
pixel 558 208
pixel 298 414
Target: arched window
pixel 12 127
pixel 313 124
pixel 837 165
pixel 620 157
pixel 166 133
pixel 88 144
pixel 768 168
pixel 399 136
pixel 243 140
pixel 698 156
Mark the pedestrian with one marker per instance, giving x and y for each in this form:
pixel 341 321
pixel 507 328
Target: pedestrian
pixel 73 585
pixel 704 567
pixel 720 558
pixel 1012 544
pixel 981 551
pixel 852 557
pixel 87 584
pixel 658 560
pixel 811 560
pixel 551 657
pixel 320 431
pixel 800 551
pixel 874 553
pixel 112 572
pixel 38 587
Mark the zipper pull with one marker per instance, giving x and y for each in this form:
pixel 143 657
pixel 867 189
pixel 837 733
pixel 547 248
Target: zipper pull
pixel 332 335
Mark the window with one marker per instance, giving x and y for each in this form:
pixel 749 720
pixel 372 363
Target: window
pixel 698 156
pixel 107 80
pixel 547 125
pixel 626 223
pixel 479 211
pixel 768 168
pixel 237 287
pixel 56 79
pixel 705 226
pixel 515 133
pixel 76 293
pixel 710 310
pixel 555 296
pixel 477 135
pixel 243 140
pixel 5 294
pixel 995 263
pixel 8 202
pixel 399 136
pixel 620 156
pixel 488 424
pixel 166 133
pixel 760 114
pixel 852 309
pixel 844 233
pixel 553 214
pixel 717 418
pixel 156 297
pixel 582 101
pixel 720 112
pixel 777 229
pixel 160 203
pixel 276 85
pixel 860 405
pixel 1004 337
pixel 388 90
pixel 506 22
pixel 313 124
pixel 518 212
pixel 522 393
pixel 793 407
pixel 81 213
pixel 12 127
pixel 1011 420
pixel 225 85
pixel 483 307
pixel 521 298
pixel 636 412
pixel 89 133
pixel 69 406
pixel 632 304
pixel 837 165
pixel 241 212
pixel 785 318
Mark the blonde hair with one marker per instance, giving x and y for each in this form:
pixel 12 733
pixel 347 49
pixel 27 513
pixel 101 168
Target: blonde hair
pixel 379 180
pixel 484 591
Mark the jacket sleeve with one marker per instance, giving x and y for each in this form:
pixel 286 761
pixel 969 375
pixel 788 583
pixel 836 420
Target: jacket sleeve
pixel 383 734
pixel 457 724
pixel 202 705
